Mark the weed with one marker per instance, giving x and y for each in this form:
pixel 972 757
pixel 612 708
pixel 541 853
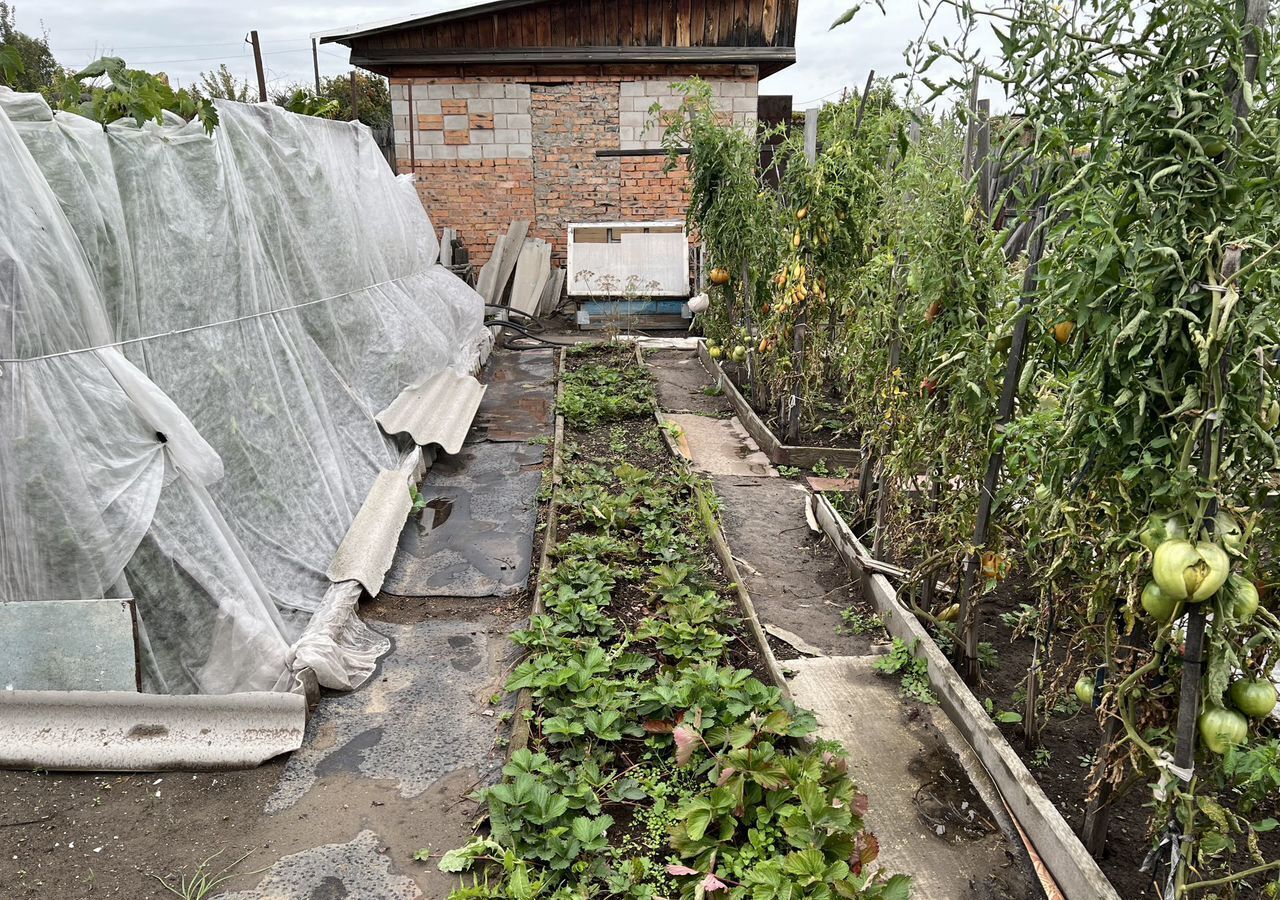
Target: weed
pixel 901 660
pixel 1021 620
pixel 858 622
pixel 203 882
pixel 1004 717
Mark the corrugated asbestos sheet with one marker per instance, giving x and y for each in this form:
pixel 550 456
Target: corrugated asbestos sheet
pixel 120 731
pixel 369 546
pixel 439 411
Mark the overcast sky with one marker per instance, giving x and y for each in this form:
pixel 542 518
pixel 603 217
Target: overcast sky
pixel 186 37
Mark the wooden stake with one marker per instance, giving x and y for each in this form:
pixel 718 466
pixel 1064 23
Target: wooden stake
pixel 257 64
pixel 355 98
pixel 315 63
pixel 969 665
pixel 1255 19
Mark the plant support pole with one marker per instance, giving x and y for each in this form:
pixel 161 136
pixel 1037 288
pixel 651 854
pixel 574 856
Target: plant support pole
pixel 970 667
pixel 257 64
pixel 315 63
pixel 802 321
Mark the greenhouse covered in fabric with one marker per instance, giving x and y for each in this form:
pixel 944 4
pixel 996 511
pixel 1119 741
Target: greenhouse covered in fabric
pixel 197 332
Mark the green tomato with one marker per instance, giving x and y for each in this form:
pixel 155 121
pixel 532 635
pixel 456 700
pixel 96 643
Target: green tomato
pixel 1161 527
pixel 1244 597
pixel 716 353
pixel 1255 697
pixel 1187 571
pixel 739 353
pixel 1084 690
pixel 1221 729
pixel 1159 605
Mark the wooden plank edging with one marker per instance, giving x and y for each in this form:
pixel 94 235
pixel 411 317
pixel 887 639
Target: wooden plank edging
pixel 520 729
pixel 1061 851
pixel 779 454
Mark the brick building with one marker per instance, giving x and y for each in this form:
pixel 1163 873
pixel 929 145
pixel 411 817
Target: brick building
pixel 539 109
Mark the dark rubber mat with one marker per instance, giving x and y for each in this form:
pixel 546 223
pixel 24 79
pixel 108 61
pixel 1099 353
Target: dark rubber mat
pixel 474 538
pixel 519 404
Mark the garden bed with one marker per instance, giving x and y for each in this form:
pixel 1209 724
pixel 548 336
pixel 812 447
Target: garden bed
pixel 779 453
pixel 1059 766
pixel 652 704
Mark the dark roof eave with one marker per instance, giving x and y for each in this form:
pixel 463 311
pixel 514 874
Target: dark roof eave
pixel 772 58
pixel 475 9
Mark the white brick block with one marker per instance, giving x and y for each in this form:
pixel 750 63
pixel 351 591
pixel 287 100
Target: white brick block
pixel 428 107
pixel 481 136
pixel 495 151
pixel 526 136
pixel 731 89
pixel 520 121
pixel 402 137
pixel 439 92
pixel 753 88
pixel 492 90
pixel 400 123
pixel 400 108
pixel 631 89
pixel 633 119
pixel 670 102
pixel 466 91
pixel 500 121
pixel 657 88
pixel 399 91
pixel 506 136
pixel 444 151
pixel 428 138
pixel 517 91
pixel 745 104
pixel 456 123
pixel 520 151
pixel 477 107
pixel 506 106
pixel 471 151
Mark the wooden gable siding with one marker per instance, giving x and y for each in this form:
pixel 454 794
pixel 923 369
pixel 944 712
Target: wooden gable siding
pixel 600 23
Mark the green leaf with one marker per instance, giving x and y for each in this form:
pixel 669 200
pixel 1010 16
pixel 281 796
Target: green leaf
pixel 461 859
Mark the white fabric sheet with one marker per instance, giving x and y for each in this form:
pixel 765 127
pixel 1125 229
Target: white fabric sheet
pixel 258 295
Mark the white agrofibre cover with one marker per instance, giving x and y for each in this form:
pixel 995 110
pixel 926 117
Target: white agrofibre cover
pixel 196 333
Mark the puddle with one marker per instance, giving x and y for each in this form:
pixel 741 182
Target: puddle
pixel 946 801
pixel 434 514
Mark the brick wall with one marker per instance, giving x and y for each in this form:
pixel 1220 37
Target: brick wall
pixel 487 150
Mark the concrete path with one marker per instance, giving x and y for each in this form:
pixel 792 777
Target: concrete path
pixel 717 446
pixel 930 819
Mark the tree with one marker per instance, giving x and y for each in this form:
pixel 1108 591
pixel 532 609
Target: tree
pixel 372 93
pixel 334 99
pixel 220 84
pixel 26 62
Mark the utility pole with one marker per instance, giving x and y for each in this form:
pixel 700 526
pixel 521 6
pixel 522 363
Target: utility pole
pixel 315 64
pixel 257 63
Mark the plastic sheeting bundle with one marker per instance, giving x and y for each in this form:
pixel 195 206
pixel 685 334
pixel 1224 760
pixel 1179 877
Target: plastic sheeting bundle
pixel 196 333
